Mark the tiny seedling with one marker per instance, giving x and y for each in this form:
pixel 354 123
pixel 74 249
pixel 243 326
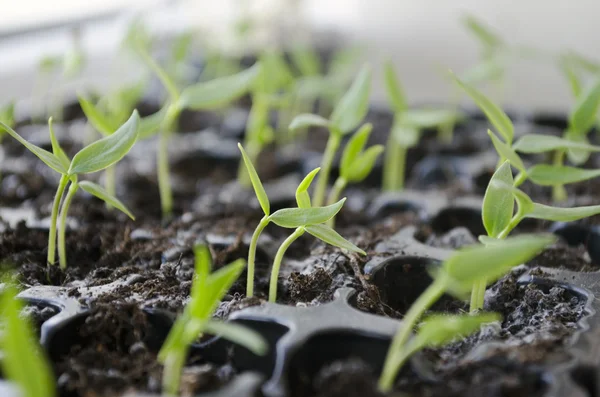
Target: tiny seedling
pixel 208 288
pixel 406 129
pixel 303 219
pixel 204 95
pixel 346 116
pixel 456 276
pixel 23 360
pixel 93 158
pixel 356 164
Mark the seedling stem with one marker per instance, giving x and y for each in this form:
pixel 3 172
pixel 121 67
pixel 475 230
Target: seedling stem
pixel 64 180
pixel 252 254
pixel 62 253
pixel 333 143
pixel 277 262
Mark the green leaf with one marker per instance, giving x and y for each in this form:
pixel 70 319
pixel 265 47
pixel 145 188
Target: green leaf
pixel 308 120
pixel 490 262
pixel 506 152
pixel 330 236
pixel 302 196
pixel 101 122
pixel 48 158
pixel 306 60
pixel 577 156
pixel 574 82
pixel 23 361
pixel 498 204
pixel 439 330
pixel 354 147
pixel 493 112
pixel 151 124
pixel 487 240
pixel 583 115
pixel 524 202
pixel 537 143
pixel 559 214
pixel 364 164
pixel 219 92
pixel 549 175
pixel 98 191
pixel 486 70
pixel 259 190
pixel 216 286
pixel 7 114
pixel 429 118
pixel 485 36
pixel 405 136
pixel 239 335
pixel 393 88
pixel 202 269
pixel 275 73
pixel 353 106
pixel 56 149
pixel 297 217
pixel 106 151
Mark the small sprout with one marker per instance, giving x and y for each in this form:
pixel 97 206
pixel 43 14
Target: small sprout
pixel 95 157
pixel 347 115
pixel 204 95
pixel 305 218
pixel 457 275
pixel 356 164
pixel 23 360
pixel 208 288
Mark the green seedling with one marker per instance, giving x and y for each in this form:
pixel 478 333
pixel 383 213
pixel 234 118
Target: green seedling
pixel 346 116
pixel 456 276
pixel 407 128
pixel 356 164
pixel 208 288
pixel 499 217
pixel 95 157
pixel 205 95
pixel 303 219
pixel 23 360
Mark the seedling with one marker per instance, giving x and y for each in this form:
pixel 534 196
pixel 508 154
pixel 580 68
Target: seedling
pixel 93 158
pixel 346 116
pixel 204 95
pixel 208 288
pixel 456 276
pixel 303 219
pixel 23 361
pixel 356 164
pixel 407 128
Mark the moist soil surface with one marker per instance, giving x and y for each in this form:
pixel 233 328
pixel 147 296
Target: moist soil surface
pixel 148 263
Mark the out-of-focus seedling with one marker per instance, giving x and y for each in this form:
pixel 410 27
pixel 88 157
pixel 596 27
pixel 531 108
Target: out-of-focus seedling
pixel 208 288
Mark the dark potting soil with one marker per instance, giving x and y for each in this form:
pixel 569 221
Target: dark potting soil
pixel 149 264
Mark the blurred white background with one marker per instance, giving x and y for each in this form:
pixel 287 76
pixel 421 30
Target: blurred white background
pixel 421 36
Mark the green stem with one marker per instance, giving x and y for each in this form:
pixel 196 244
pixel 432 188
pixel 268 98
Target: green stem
pixel 477 295
pixel 394 166
pixel 62 228
pixel 521 177
pixel 252 255
pixel 277 262
pixel 333 143
pixel 559 193
pixel 393 360
pixel 162 161
pixel 54 217
pixel 172 369
pixel 334 195
pixel 110 182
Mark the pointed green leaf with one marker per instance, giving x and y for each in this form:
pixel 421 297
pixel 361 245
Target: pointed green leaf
pixel 490 262
pixel 56 149
pixel 101 122
pixel 202 269
pixel 537 143
pixel 493 112
pixel 162 75
pixel 583 115
pixel 549 175
pixel 219 92
pixel 150 125
pixel 98 191
pixel 297 217
pixel 239 335
pixel 506 152
pixel 306 60
pixel 393 88
pixel 217 285
pixel 524 202
pixel 308 120
pixel 106 151
pixel 429 118
pixel 572 78
pixel 302 196
pixel 439 330
pixel 364 164
pixel 405 136
pixel 486 70
pixel 485 36
pixel 48 158
pixel 330 236
pixel 559 214
pixel 354 147
pixel 498 204
pixel 259 190
pixel 577 156
pixel 353 106
pixel 23 360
